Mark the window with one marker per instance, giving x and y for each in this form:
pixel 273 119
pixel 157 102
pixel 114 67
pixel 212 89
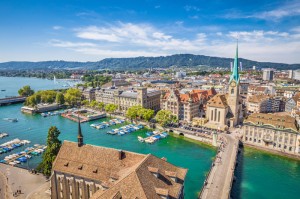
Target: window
pixel 232 91
pixel 219 116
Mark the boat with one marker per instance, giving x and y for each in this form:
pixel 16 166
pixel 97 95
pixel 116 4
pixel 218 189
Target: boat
pixel 3 90
pixel 11 119
pixel 141 139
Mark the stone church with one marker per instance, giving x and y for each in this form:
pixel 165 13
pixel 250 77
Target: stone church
pixel 225 110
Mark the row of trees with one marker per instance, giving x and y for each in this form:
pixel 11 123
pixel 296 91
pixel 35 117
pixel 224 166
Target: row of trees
pixel 163 117
pixel 71 97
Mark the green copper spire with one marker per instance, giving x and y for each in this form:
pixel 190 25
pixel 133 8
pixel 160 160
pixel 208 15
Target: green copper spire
pixel 235 71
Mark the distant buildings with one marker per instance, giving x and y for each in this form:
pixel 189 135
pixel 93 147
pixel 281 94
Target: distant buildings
pixel 270 131
pixel 84 171
pixel 180 74
pixel 268 74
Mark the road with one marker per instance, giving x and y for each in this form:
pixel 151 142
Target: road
pixel 218 184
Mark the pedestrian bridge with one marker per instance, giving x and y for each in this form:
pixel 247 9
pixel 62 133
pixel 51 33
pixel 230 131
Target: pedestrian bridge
pixel 219 180
pixel 12 100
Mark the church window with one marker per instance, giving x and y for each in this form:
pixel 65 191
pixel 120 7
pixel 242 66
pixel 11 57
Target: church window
pixel 219 114
pixel 232 91
pixel 212 113
pixel 215 114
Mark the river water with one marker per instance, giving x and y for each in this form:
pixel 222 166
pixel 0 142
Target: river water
pixel 259 175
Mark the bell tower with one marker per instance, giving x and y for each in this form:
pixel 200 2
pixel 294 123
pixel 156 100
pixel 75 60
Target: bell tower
pixel 234 91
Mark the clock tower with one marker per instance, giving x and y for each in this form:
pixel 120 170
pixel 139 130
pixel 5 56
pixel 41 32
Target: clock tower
pixel 234 92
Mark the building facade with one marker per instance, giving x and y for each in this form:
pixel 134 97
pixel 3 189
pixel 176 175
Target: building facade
pixel 280 133
pixel 126 98
pixel 264 104
pixel 188 105
pixel 268 74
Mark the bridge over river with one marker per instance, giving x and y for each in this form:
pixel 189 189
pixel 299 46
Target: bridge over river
pixel 220 178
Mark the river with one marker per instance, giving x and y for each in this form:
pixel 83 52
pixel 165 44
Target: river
pixel 259 174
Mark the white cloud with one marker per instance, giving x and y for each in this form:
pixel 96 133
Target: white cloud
pixel 57 27
pixel 68 44
pixel 130 40
pixel 191 8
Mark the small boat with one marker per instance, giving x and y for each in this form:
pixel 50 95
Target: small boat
pixel 11 119
pixel 3 90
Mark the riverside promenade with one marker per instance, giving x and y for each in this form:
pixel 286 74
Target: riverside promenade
pixel 14 178
pixel 219 180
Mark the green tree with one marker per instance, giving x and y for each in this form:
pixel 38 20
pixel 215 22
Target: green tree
pixel 164 117
pixel 133 112
pixel 110 108
pixel 85 102
pixel 101 106
pixel 31 101
pixel 53 146
pixel 26 91
pixel 148 114
pixel 73 96
pixel 94 104
pixel 60 98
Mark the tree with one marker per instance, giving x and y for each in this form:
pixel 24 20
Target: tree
pixel 110 108
pixel 53 146
pixel 101 106
pixel 26 91
pixel 31 101
pixel 73 96
pixel 148 114
pixel 165 117
pixel 94 104
pixel 60 99
pixel 133 112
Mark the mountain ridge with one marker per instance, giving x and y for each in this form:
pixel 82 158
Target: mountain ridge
pixel 137 63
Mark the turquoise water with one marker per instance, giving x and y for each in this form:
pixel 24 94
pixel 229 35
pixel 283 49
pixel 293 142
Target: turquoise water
pixel 263 175
pixel 193 156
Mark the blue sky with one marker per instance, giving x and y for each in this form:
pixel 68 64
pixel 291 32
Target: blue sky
pixel 90 30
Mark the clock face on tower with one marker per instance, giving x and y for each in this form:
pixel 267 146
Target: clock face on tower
pixel 233 84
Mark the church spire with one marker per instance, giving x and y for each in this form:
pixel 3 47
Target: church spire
pixel 79 136
pixel 235 71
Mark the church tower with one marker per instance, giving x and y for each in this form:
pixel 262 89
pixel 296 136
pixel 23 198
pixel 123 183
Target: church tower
pixel 234 91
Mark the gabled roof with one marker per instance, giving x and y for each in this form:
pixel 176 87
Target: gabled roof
pixel 284 122
pixel 219 101
pixel 133 178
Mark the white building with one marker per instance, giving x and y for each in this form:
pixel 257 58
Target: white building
pixel 268 74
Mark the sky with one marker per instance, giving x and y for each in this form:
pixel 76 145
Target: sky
pixel 91 30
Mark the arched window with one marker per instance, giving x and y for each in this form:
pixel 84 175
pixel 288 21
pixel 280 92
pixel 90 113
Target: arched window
pixel 232 91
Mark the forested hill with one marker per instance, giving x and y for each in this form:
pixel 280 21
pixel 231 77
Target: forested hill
pixel 180 60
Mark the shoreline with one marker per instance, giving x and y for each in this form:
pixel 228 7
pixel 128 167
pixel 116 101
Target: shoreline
pixel 272 152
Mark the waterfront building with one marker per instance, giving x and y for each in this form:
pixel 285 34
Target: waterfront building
pixel 147 98
pixel 263 104
pixel 270 131
pixel 40 108
pixel 186 106
pixel 225 110
pixel 89 94
pixel 268 74
pixel 82 171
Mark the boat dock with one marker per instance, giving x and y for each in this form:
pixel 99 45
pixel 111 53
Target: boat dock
pixel 12 100
pixel 13 144
pixel 13 159
pixel 219 180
